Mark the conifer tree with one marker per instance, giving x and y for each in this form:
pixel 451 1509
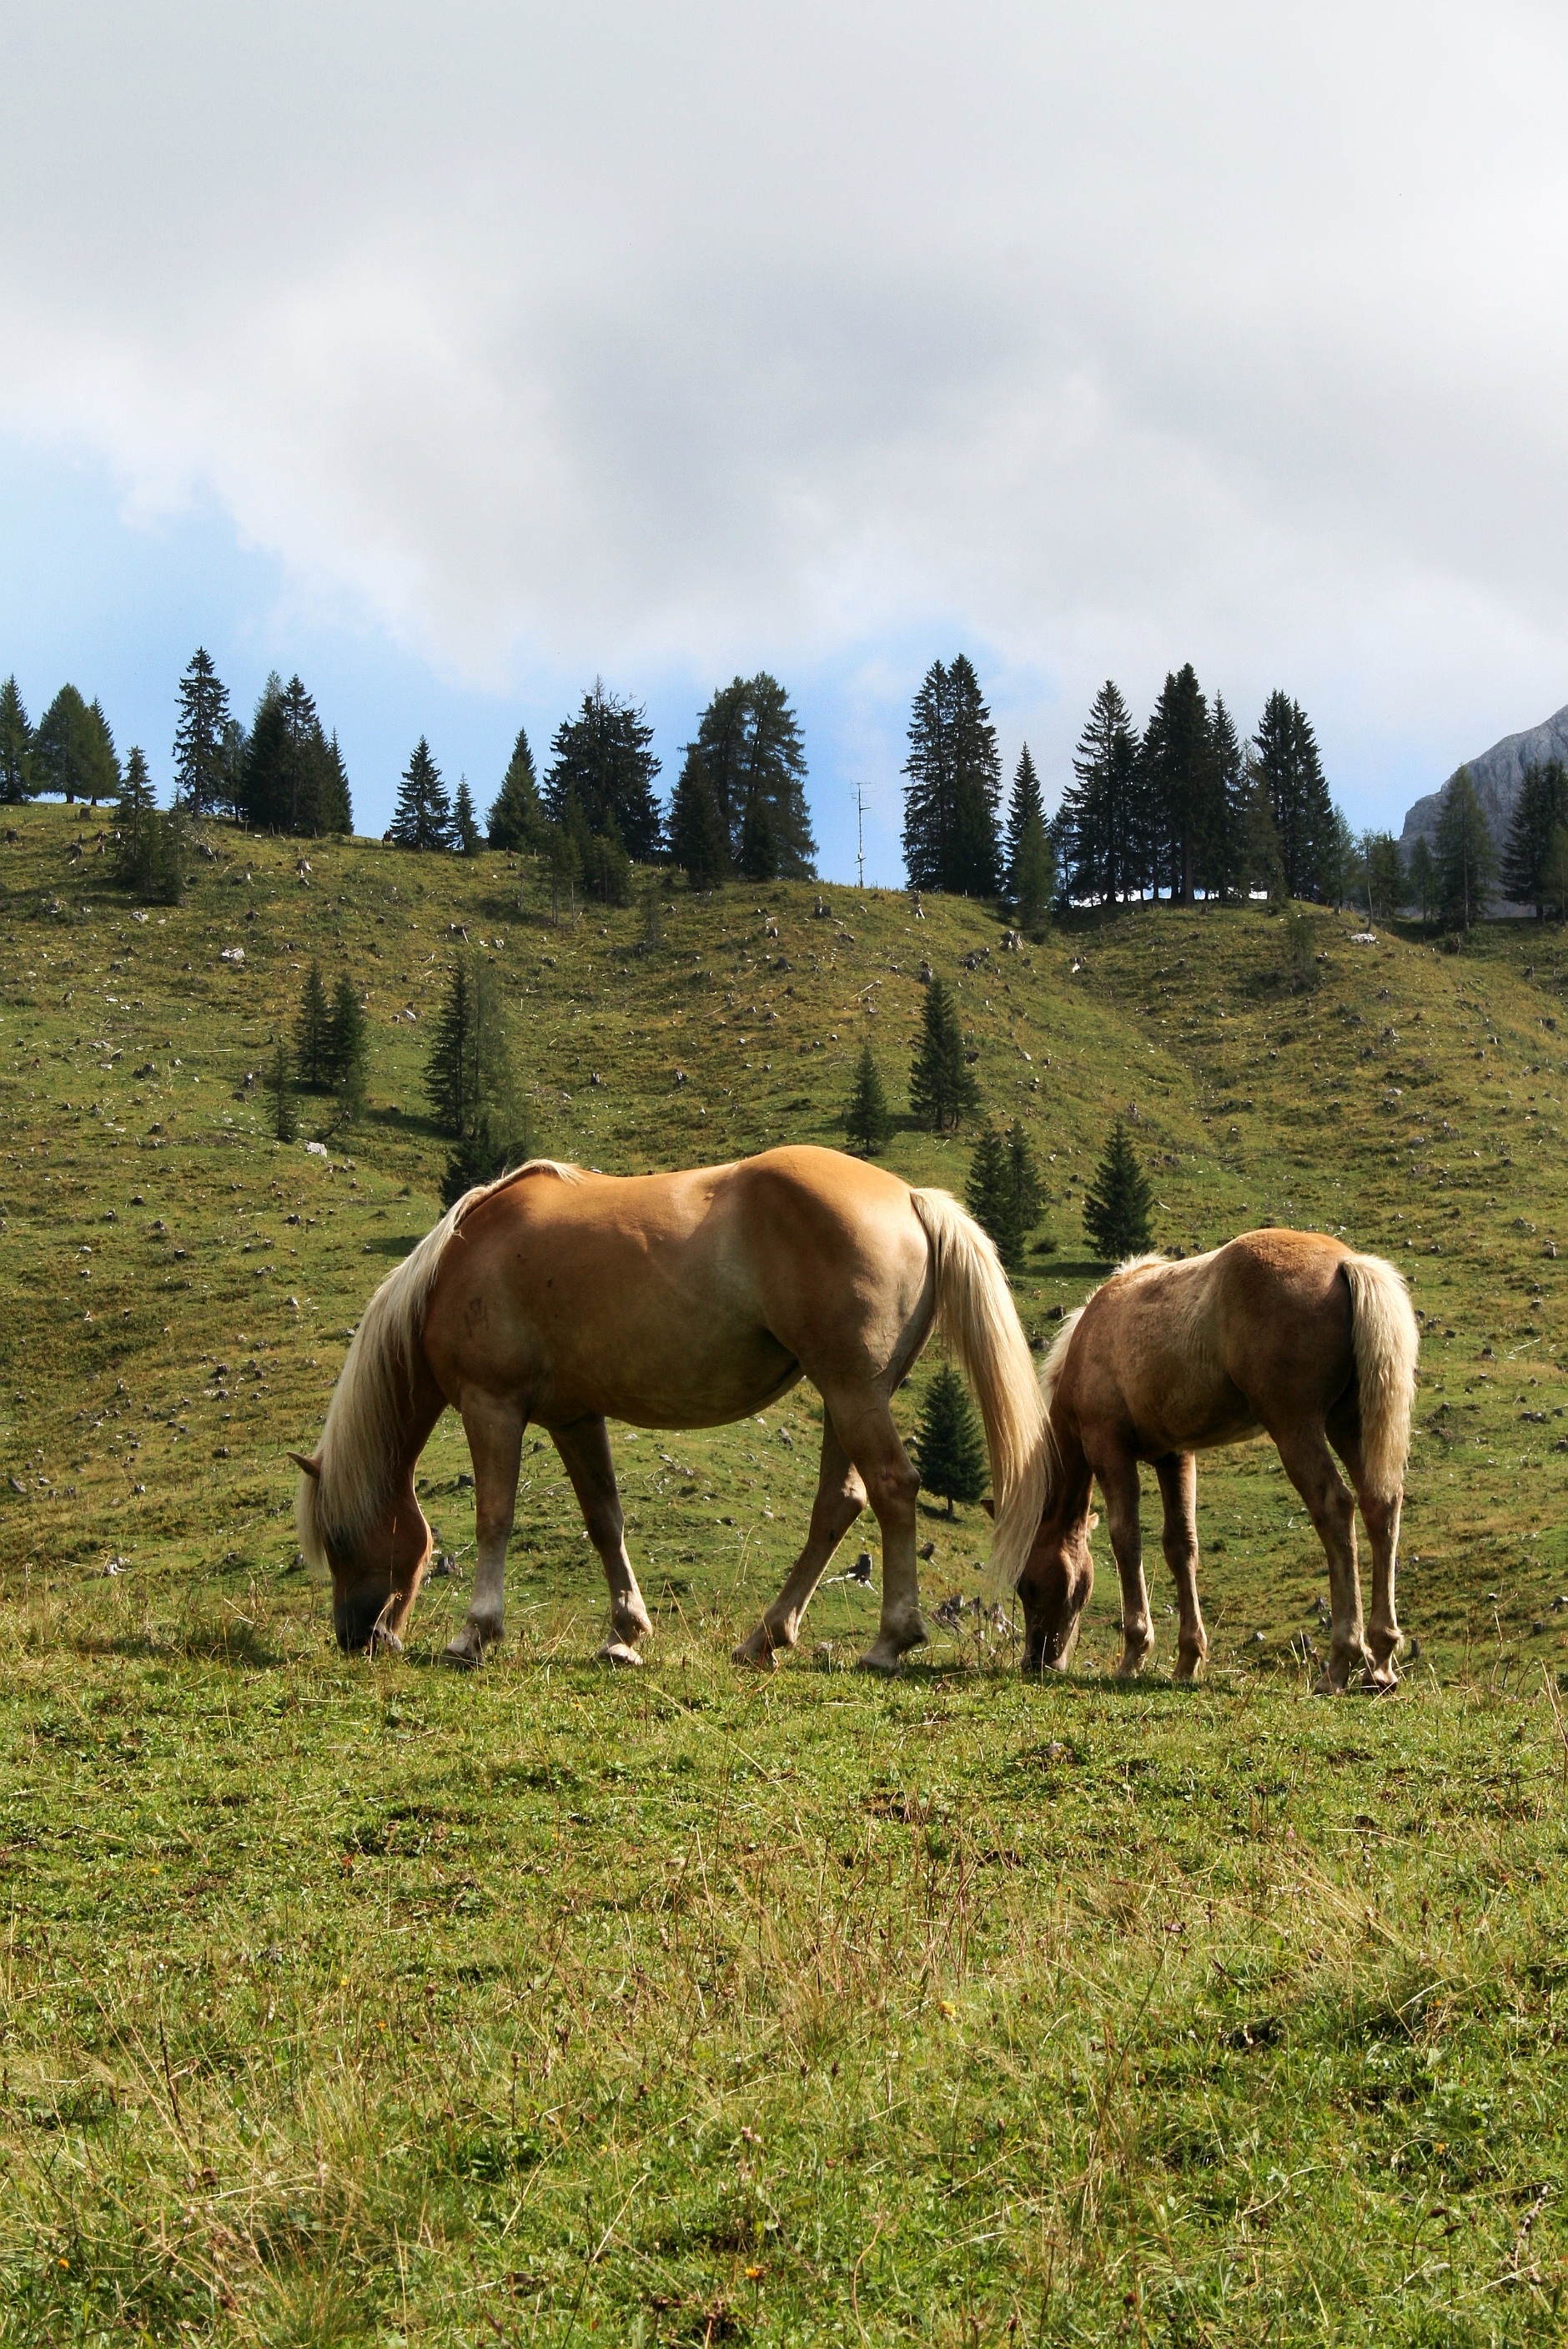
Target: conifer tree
pixel 1554 875
pixel 1422 876
pixel 1286 757
pixel 987 1194
pixel 1466 858
pixel 1542 806
pixel 516 818
pixel 1186 802
pixel 1117 1204
pixel 1261 858
pixel 301 735
pixel 347 1051
pixel 698 840
pixel 606 868
pixel 280 1084
pixel 1384 869
pixel 942 1087
pixel 16 782
pixel 1003 1192
pixel 423 815
pixel 950 840
pixel 1226 859
pixel 465 834
pixel 868 1121
pixel 134 818
pixel 759 858
pixel 150 860
pixel 313 1032
pixel 290 777
pixel 564 866
pixel 949 1446
pixel 199 765
pixel 73 749
pixel 748 742
pixel 602 759
pixel 1098 825
pixel 136 793
pixel 1025 809
pixel 1035 875
pixel 1024 1181
pixel 469 1079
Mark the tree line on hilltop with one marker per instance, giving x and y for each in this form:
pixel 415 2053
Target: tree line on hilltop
pixel 1183 810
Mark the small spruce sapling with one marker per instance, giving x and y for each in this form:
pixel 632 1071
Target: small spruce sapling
pixel 949 1445
pixel 466 838
pixel 942 1087
pixel 868 1122
pixel 348 1051
pixel 313 1040
pixel 1117 1204
pixel 280 1084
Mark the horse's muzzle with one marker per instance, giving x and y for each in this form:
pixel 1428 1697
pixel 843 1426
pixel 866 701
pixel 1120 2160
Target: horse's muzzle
pixel 357 1622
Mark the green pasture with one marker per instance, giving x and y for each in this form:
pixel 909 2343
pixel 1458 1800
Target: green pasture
pixel 346 2003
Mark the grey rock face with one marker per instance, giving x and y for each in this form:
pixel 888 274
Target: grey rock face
pixel 1496 774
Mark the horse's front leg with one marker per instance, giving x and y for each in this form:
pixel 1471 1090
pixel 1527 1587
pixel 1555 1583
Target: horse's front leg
pixel 1178 1474
pixel 585 1448
pixel 494 1430
pixel 1119 1483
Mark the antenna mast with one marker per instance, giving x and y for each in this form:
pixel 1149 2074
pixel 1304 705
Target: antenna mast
pixel 860 834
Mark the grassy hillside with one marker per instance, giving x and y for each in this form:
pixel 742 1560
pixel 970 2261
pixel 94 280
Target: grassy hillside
pixel 349 2003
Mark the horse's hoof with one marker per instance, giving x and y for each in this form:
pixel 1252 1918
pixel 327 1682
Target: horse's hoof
pixel 1382 1682
pixel 617 1653
pixel 385 1642
pixel 463 1652
pixel 758 1651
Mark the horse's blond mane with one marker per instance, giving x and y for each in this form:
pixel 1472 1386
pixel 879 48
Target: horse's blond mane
pixel 356 1456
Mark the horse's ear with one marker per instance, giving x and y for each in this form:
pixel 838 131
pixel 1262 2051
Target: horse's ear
pixel 990 1508
pixel 310 1467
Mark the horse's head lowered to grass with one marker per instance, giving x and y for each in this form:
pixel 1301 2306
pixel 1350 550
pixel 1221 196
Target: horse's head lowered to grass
pixel 375 1566
pixel 355 1505
pixel 1055 1587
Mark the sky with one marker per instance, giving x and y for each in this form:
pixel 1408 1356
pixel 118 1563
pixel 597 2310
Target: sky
pixel 454 355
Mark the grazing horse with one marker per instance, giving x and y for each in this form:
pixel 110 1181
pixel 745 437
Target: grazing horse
pixel 692 1299
pixel 1281 1332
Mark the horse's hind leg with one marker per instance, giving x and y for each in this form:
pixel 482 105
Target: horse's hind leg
pixel 841 1498
pixel 494 1430
pixel 1119 1483
pixel 1178 1474
pixel 1381 1515
pixel 584 1449
pixel 1310 1468
pixel 866 1431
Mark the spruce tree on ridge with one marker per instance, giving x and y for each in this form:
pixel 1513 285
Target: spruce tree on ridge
pixel 942 1087
pixel 423 817
pixel 1117 1204
pixel 16 782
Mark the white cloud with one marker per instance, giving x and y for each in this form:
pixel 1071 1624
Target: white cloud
pixel 1099 338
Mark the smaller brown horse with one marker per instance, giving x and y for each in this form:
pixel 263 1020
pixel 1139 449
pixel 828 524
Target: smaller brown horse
pixel 1283 1333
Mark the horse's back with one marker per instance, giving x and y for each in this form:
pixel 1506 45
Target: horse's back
pixel 1192 1353
pixel 613 1292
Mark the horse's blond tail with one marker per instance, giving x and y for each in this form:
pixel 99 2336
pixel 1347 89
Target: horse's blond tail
pixel 357 1455
pixel 982 1324
pixel 1387 1341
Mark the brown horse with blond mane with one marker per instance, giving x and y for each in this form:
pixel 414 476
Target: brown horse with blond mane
pixel 1283 1333
pixel 566 1299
